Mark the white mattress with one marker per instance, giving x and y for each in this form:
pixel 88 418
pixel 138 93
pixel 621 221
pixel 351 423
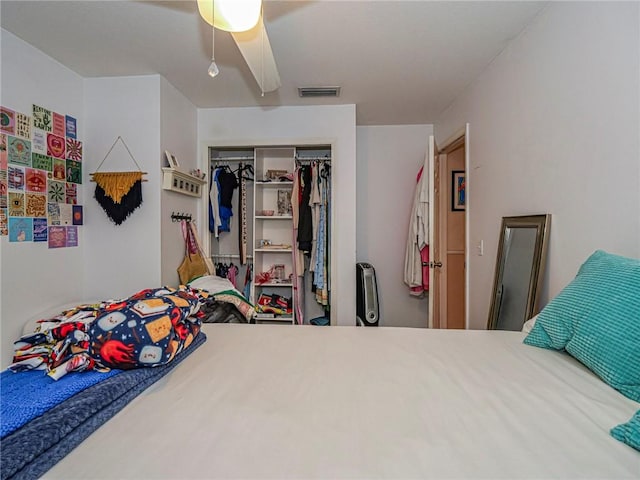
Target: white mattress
pixel 263 401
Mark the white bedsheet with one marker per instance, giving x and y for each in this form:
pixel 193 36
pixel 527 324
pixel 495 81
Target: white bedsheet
pixel 263 401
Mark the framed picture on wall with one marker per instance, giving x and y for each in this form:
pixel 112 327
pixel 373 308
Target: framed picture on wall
pixel 171 159
pixel 458 190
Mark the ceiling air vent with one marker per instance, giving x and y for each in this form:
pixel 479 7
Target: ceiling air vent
pixel 319 91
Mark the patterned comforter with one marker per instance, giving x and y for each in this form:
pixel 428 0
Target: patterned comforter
pixel 146 329
pixel 29 451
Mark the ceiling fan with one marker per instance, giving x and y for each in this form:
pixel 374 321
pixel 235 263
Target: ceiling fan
pixel 243 19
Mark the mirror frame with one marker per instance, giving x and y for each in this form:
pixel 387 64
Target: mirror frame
pixel 541 223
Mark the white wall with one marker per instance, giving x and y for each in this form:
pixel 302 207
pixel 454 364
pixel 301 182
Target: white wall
pixel 34 277
pixel 388 160
pixel 555 129
pixel 119 260
pixel 298 126
pixel 178 132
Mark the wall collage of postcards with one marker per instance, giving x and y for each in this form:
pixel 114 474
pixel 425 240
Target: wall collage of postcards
pixel 40 171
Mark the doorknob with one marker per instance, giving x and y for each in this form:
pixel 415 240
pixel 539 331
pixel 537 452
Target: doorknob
pixel 435 264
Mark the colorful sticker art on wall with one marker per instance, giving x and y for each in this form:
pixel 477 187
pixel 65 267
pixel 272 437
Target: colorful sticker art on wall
pixel 53 213
pixel 74 171
pixel 58 124
pixel 7 120
pixel 71 191
pixel 15 178
pixel 70 127
pixel 35 205
pixel 72 236
pixel 20 229
pixel 19 151
pixel 74 150
pixel 55 145
pixel 23 125
pixel 66 214
pixel 4 224
pixel 56 192
pixel 40 230
pixel 40 170
pixel 42 118
pixel 59 170
pixel 41 162
pixel 16 204
pixel 3 152
pixel 38 141
pixel 78 215
pixel 36 180
pixel 3 189
pixel 57 237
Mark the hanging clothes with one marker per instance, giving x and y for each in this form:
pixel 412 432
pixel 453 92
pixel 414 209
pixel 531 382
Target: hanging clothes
pixel 298 255
pixel 215 219
pixel 227 183
pixel 311 217
pixel 315 201
pixel 322 243
pixel 232 275
pixel 305 221
pixel 417 250
pixel 246 291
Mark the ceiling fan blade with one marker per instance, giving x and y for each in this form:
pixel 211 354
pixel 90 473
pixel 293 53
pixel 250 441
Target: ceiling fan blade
pixel 256 50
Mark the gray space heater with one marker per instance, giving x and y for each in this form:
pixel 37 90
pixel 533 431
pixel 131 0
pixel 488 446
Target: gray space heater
pixel 367 311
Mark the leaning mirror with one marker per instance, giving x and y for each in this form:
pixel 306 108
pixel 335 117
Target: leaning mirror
pixel 520 264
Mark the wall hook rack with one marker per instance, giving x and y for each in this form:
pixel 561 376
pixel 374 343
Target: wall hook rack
pixel 176 217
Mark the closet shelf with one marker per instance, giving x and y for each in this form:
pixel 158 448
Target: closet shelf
pixel 273 217
pixel 275 284
pixel 274 250
pixel 181 182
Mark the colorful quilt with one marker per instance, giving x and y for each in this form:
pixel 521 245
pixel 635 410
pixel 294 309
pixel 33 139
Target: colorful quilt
pixel 146 329
pixel 29 451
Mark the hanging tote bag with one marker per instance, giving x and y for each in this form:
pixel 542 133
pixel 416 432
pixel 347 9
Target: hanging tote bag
pixel 193 264
pixel 207 260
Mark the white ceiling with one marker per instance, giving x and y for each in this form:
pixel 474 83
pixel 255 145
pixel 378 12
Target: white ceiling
pixel 400 62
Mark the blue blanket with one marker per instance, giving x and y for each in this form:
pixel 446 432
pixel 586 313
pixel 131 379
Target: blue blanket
pixel 30 451
pixel 23 397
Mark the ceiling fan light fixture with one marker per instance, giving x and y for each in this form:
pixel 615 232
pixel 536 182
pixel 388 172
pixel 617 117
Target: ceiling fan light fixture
pixel 231 15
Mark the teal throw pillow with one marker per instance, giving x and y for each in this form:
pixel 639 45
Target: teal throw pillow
pixel 596 319
pixel 629 432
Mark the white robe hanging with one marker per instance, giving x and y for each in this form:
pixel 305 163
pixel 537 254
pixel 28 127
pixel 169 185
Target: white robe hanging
pixel 418 236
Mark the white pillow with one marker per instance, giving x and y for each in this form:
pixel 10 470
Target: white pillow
pixel 528 325
pixel 212 284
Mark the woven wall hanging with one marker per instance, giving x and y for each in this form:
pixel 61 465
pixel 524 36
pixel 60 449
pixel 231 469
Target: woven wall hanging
pixel 118 193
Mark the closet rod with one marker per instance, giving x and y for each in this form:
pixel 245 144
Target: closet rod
pixel 313 159
pixel 233 159
pixel 228 255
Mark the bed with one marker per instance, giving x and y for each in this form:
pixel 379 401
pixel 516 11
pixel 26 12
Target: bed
pixel 258 401
pixel 264 401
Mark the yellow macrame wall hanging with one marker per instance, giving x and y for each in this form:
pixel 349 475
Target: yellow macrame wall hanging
pixel 118 193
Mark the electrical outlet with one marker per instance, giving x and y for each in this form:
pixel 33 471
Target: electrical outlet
pixel 480 248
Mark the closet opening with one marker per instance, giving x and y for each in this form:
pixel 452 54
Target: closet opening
pixel 269 215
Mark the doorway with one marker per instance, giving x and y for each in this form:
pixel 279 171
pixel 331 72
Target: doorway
pixel 448 249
